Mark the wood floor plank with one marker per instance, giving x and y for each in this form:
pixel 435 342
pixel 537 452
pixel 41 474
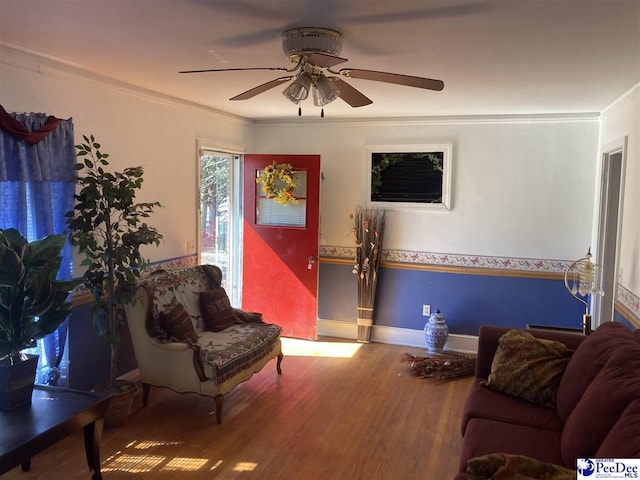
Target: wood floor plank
pixel 325 418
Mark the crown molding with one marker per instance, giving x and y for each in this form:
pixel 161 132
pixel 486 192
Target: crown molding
pixel 26 59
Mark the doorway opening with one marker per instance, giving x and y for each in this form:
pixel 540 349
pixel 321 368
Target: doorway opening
pixel 220 217
pixel 609 223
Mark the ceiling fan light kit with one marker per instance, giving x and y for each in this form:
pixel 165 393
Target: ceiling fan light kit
pixel 299 89
pixel 314 51
pixel 325 92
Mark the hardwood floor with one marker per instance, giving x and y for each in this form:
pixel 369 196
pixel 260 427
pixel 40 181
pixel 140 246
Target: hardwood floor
pixel 330 416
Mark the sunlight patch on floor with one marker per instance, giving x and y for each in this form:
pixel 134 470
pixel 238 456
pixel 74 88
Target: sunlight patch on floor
pixel 132 463
pixel 245 467
pixel 150 444
pixel 309 348
pixel 135 463
pixel 185 464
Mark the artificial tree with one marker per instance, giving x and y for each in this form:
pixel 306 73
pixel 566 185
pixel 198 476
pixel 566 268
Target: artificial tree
pixel 108 227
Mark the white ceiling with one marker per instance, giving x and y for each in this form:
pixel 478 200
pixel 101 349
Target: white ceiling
pixel 494 56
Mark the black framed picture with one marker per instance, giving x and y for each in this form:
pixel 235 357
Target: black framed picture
pixel 409 176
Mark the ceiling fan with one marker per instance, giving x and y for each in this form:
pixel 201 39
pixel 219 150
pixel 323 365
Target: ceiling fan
pixel 314 51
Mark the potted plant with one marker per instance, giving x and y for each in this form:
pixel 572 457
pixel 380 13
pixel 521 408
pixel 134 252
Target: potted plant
pixel 32 305
pixel 108 227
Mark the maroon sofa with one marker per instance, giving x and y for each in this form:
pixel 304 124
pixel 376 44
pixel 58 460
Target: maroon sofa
pixel 597 412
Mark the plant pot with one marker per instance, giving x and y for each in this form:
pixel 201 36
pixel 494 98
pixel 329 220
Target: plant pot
pixel 120 399
pixel 16 383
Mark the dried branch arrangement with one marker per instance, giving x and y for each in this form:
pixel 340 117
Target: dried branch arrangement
pixel 440 367
pixel 368 228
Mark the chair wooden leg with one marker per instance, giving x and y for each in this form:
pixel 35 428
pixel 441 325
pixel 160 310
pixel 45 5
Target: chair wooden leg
pixel 218 399
pixel 278 368
pixel 145 393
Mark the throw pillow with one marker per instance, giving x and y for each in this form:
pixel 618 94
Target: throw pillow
pixel 502 466
pixel 528 367
pixel 177 324
pixel 217 312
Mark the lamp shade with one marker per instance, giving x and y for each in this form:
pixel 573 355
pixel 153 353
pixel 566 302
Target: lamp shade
pixel 325 92
pixel 298 90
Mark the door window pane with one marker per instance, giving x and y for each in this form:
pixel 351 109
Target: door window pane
pixel 271 213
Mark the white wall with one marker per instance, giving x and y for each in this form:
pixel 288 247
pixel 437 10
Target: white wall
pixel 620 120
pixel 135 129
pixel 522 187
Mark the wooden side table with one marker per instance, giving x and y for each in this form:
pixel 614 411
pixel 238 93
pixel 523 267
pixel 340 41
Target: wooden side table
pixel 53 414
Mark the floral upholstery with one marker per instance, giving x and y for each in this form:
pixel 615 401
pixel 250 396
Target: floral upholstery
pixel 183 286
pixel 237 347
pixel 221 354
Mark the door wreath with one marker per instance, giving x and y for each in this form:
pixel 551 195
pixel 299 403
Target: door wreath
pixel 278 183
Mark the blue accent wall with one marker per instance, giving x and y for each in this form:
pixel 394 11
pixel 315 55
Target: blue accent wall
pixel 466 300
pixel 619 317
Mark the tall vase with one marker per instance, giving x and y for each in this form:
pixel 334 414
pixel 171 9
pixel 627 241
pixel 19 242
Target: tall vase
pixel 365 323
pixel 436 333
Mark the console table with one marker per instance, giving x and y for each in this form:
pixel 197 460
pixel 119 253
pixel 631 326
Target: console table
pixel 53 414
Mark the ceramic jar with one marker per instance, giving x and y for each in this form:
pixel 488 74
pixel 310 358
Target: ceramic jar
pixel 436 332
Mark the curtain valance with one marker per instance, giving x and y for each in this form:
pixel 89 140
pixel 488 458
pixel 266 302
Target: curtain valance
pixel 36 147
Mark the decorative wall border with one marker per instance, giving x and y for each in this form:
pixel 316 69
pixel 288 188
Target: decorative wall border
pixel 171 264
pixel 630 302
pixel 455 260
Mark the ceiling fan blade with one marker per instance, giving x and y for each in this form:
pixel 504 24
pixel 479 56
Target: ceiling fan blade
pixel 261 88
pixel 426 13
pixel 282 69
pixel 406 80
pixel 350 95
pixel 324 60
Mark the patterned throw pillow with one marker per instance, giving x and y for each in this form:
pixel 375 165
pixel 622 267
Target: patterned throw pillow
pixel 217 312
pixel 502 466
pixel 529 368
pixel 177 324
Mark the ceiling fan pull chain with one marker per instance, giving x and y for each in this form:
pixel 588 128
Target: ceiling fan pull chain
pixel 322 112
pixel 299 111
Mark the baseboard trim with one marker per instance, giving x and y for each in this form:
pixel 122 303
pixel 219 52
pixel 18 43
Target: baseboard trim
pixel 395 336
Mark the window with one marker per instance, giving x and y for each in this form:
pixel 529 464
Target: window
pixel 410 176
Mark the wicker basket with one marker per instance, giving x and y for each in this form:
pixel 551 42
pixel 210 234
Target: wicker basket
pixel 120 400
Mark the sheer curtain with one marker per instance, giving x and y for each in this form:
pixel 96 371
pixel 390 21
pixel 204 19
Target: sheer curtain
pixel 37 184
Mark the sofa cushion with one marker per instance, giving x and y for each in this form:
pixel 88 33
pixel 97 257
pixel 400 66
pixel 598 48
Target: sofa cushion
pixel 484 402
pixel 217 312
pixel 238 347
pixel 177 324
pixel 502 466
pixel 527 367
pixel 587 361
pixel 623 440
pixel 603 403
pixel 488 436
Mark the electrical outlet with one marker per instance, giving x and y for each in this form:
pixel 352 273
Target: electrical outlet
pixel 426 310
pixel 191 246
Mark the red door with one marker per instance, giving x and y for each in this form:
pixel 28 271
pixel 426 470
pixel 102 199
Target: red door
pixel 280 247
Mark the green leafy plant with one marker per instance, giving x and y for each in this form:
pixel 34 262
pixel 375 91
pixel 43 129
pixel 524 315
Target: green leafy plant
pixel 108 227
pixel 32 302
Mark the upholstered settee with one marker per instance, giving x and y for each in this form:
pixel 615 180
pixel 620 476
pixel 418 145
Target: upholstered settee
pixel 579 398
pixel 187 337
